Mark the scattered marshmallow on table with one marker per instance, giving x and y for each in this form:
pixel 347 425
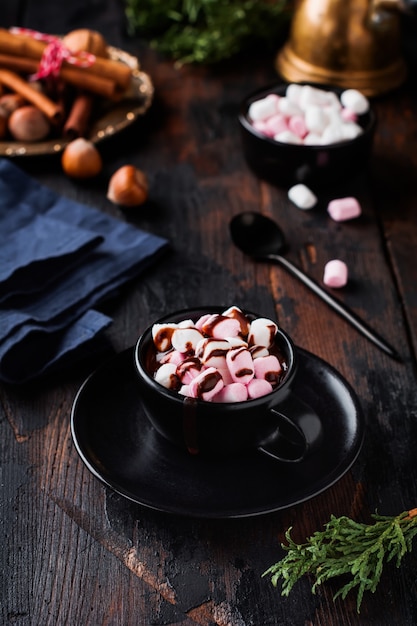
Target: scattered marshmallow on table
pixel 302 196
pixel 335 273
pixel 308 115
pixel 343 209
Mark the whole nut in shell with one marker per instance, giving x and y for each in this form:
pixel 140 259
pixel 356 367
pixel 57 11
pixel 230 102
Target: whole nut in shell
pixel 29 124
pixel 86 40
pixel 81 159
pixel 128 186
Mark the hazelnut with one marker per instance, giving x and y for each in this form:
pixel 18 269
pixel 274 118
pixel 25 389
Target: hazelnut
pixel 86 40
pixel 128 186
pixel 28 123
pixel 10 102
pixel 81 159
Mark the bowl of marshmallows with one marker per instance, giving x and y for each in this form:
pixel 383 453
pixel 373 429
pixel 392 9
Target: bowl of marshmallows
pixel 314 134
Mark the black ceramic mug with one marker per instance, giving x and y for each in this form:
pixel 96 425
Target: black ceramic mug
pixel 215 428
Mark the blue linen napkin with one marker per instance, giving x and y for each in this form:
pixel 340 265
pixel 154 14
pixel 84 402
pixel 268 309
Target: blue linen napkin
pixel 68 258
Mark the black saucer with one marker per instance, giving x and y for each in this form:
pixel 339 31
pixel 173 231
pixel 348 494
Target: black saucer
pixel 120 447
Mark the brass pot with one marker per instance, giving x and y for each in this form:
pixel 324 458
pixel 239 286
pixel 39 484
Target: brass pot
pixel 347 43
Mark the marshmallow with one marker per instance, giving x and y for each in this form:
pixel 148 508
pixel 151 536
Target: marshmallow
pixel 257 388
pixel 162 336
pixel 288 107
pixel 240 364
pixel 258 351
pixel 262 332
pixel 332 133
pixel 293 92
pixel 166 376
pixel 335 273
pixel 263 108
pixel 315 119
pixel 342 209
pixel 188 369
pixel 302 196
pixel 235 392
pixel 185 339
pixel 268 368
pixel 172 356
pixel 297 125
pixel 221 326
pixel 238 314
pixel 206 385
pixel 286 136
pixel 355 101
pixel 210 347
pixel 275 125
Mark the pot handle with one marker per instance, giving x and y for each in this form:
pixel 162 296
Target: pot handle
pixel 296 437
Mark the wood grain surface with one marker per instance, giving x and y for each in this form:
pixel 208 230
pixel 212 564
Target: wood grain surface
pixel 73 551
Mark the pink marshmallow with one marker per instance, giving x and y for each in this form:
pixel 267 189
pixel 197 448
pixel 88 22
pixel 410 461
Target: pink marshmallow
pixel 240 364
pixel 343 209
pixel 297 125
pixel 188 369
pixel 221 326
pixel 206 385
pixel 275 125
pixel 235 392
pixel 199 323
pixel 335 273
pixel 268 368
pixel 238 314
pixel 173 356
pixel 258 387
pixel 348 115
pixel 262 127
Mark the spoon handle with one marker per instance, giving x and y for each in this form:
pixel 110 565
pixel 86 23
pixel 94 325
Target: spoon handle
pixel 336 305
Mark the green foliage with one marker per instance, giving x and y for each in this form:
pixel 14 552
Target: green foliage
pixel 349 548
pixel 207 31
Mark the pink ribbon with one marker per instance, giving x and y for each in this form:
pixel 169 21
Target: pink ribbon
pixel 54 54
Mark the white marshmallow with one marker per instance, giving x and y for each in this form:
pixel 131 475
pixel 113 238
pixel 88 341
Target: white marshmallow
pixel 302 196
pixel 162 336
pixel 293 93
pixel 263 108
pixel 288 108
pixel 166 375
pixel 186 339
pixel 288 137
pixel 315 119
pixel 262 332
pixel 355 101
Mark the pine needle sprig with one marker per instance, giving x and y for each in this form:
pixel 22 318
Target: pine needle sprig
pixel 346 547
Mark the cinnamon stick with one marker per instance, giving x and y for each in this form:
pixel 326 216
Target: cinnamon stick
pixel 79 116
pixel 14 82
pixel 73 75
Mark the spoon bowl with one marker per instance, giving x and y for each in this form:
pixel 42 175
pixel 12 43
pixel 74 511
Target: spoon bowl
pixel 261 238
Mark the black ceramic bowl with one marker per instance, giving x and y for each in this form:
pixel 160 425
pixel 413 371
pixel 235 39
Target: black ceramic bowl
pixel 316 166
pixel 211 427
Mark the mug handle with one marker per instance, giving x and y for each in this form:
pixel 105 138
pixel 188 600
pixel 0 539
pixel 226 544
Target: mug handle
pixel 296 437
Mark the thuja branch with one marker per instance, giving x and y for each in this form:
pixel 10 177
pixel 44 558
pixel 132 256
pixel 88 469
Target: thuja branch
pixel 346 547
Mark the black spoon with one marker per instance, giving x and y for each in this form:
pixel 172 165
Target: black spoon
pixel 261 238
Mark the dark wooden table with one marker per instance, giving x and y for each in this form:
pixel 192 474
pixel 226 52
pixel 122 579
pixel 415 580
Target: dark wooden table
pixel 75 552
